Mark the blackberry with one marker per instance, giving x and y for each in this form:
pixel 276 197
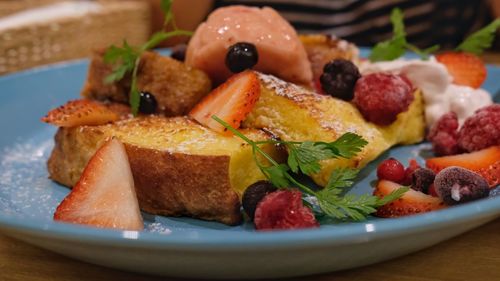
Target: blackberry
pixel 148 103
pixel 457 185
pixel 179 52
pixel 421 179
pixel 254 194
pixel 241 56
pixel 339 78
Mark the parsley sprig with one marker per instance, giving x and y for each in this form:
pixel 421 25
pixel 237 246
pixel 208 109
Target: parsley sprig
pixel 397 45
pixel 305 157
pixel 480 40
pixel 126 59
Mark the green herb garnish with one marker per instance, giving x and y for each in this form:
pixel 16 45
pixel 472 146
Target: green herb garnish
pixel 397 45
pixel 480 40
pixel 126 59
pixel 305 157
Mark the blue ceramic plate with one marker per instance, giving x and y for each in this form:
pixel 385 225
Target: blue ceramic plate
pixel 187 247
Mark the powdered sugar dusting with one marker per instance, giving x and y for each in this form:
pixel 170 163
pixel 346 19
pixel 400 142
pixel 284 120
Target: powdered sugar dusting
pixel 23 180
pixel 285 89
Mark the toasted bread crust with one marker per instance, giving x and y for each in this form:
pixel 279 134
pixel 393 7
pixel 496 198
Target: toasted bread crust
pixel 176 87
pixel 184 185
pixel 180 168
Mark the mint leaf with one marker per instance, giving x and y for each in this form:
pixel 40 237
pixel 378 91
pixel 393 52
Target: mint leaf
pixel 480 40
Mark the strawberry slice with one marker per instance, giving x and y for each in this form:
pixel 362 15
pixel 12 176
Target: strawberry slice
pixel 105 195
pixel 231 102
pixel 80 112
pixel 466 69
pixel 411 203
pixel 485 162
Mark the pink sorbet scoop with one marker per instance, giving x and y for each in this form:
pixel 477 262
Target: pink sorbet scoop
pixel 280 51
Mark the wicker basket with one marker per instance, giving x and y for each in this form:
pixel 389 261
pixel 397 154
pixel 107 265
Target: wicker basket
pixel 22 47
pixel 8 7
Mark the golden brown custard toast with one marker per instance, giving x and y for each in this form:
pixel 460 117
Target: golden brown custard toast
pixel 180 168
pixel 176 87
pixel 294 113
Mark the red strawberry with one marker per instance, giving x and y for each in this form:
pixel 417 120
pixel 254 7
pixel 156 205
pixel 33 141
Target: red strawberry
pixel 80 112
pixel 485 162
pixel 231 102
pixel 466 69
pixel 105 195
pixel 411 203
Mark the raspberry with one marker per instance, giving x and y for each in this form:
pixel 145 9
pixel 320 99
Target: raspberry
pixel 283 209
pixel 422 178
pixel 457 185
pixel 392 170
pixel 338 79
pixel 481 130
pixel 380 97
pixel 409 170
pixel 444 135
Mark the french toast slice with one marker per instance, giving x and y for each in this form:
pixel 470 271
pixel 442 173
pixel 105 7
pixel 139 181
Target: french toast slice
pixel 176 87
pixel 294 113
pixel 180 168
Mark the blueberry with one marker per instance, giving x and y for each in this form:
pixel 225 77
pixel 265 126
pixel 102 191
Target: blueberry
pixel 253 194
pixel 179 52
pixel 339 78
pixel 457 185
pixel 241 56
pixel 421 179
pixel 148 103
pixel 495 192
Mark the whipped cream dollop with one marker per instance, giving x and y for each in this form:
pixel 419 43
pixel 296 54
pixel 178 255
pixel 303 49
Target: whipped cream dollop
pixel 440 94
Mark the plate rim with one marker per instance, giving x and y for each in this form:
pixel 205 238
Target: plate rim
pixel 223 239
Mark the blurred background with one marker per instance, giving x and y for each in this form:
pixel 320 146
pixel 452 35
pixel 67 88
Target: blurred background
pixel 39 32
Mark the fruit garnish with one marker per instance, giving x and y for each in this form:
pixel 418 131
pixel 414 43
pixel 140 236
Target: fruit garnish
pixel 339 78
pixel 444 135
pixel 480 40
pixel 80 112
pixel 485 162
pixel 411 203
pixel 241 56
pixel 126 59
pixel 391 170
pixel 456 185
pixel 380 97
pixel 466 69
pixel 412 166
pixel 422 179
pixel 105 195
pixel 481 130
pixel 304 157
pixel 397 45
pixel 148 104
pixel 254 194
pixel 283 209
pixel 231 101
